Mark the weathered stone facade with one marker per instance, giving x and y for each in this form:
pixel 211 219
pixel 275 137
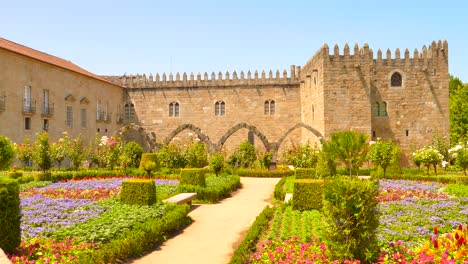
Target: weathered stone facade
pixel 400 97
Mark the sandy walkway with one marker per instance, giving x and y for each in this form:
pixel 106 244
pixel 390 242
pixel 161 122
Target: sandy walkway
pixel 217 228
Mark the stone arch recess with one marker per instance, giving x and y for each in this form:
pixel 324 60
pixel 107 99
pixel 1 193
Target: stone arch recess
pixel 147 136
pixel 239 126
pixel 203 137
pixel 298 125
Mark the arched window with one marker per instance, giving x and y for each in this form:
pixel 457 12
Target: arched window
pixel 250 137
pixel 127 111
pixel 376 109
pixel 174 109
pixel 313 114
pixel 396 80
pixel 220 108
pixel 383 109
pixel 269 107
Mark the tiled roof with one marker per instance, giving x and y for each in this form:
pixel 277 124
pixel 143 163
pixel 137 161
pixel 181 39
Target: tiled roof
pixel 47 58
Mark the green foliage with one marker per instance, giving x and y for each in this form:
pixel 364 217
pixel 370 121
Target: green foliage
pixel 266 159
pixel 303 156
pixel 326 165
pixel 196 155
pixel 307 194
pixel 349 147
pixel 263 173
pixel 7 153
pixel 459 190
pixel 382 153
pixel 244 156
pixel 33 184
pixel 351 218
pixel 193 177
pixel 58 151
pixel 41 152
pixel 249 243
pixel 10 216
pixel 460 154
pixel 133 151
pixel 138 191
pixel 302 173
pixel 149 162
pixel 14 174
pixel 42 176
pixel 171 156
pixel 427 156
pixel 217 163
pixel 24 152
pixel 75 151
pixel 458 109
pixel 217 188
pixel 442 144
pixel 279 192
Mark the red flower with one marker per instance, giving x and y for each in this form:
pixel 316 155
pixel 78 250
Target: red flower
pixel 436 231
pixel 436 244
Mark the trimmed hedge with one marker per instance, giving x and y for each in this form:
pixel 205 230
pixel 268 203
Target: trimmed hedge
pixel 215 190
pixel 305 173
pixel 248 246
pixel 138 191
pixel 443 179
pixel 263 173
pixel 193 176
pixel 279 192
pixel 10 216
pixel 42 176
pixel 140 238
pixel 14 174
pixel 307 194
pixel 149 162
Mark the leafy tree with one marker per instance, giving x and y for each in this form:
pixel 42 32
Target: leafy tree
pixel 75 151
pixel 133 152
pixel 25 151
pixel 196 155
pixel 349 147
pixel 266 159
pixel 41 152
pixel 244 156
pixel 383 153
pixel 458 109
pixel 217 163
pixel 460 154
pixel 172 156
pixel 428 156
pixel 7 153
pixel 58 151
pixel 303 156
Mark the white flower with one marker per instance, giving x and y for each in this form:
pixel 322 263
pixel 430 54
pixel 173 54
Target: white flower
pixel 444 163
pixel 371 143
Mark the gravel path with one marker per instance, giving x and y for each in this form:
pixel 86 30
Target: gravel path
pixel 217 228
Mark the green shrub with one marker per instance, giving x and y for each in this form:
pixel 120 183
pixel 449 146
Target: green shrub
pixel 172 156
pixel 133 151
pixel 149 162
pixel 7 152
pixel 196 155
pixel 217 188
pixel 42 176
pixel 351 218
pixel 279 192
pixel 305 173
pixel 383 153
pixel 217 163
pixel 138 191
pixel 193 177
pixel 458 190
pixel 248 245
pixel 14 174
pixel 25 179
pixel 307 194
pixel 302 156
pixel 41 152
pixel 326 166
pixel 262 173
pixel 244 156
pixel 10 216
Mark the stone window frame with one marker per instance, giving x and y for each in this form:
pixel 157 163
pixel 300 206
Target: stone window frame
pixel 376 109
pixel 69 116
pixel 384 109
pixel 403 79
pixel 269 107
pixel 129 110
pixel 174 109
pixel 220 108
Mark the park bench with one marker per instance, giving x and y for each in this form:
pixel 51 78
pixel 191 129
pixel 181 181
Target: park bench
pixel 288 197
pixel 181 198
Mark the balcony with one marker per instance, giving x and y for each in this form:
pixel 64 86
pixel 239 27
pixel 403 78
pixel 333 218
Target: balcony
pixel 2 103
pixel 119 118
pixel 47 110
pixel 104 117
pixel 29 108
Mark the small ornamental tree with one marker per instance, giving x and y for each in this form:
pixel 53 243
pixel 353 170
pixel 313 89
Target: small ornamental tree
pixel 171 156
pixel 460 154
pixel 302 156
pixel 196 155
pixel 149 163
pixel 383 153
pixel 58 151
pixel 7 153
pixel 244 156
pixel 75 151
pixel 349 147
pixel 217 163
pixel 428 156
pixel 133 151
pixel 41 152
pixel 266 159
pixel 25 152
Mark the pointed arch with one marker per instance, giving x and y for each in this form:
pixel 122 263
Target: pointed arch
pixel 239 126
pixel 298 125
pixel 149 139
pixel 202 136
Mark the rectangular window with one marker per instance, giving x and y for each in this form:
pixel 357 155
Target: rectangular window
pixel 223 110
pixel 27 123
pixel 27 96
pixel 374 134
pixel 407 133
pixel 98 111
pixel 176 109
pixel 84 118
pixel 45 125
pixel 69 116
pixel 106 118
pixel 171 109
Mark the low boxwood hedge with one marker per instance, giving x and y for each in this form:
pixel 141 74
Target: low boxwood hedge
pixel 217 188
pixel 248 245
pixel 138 191
pixel 193 176
pixel 10 216
pixel 307 194
pixel 262 173
pixel 305 173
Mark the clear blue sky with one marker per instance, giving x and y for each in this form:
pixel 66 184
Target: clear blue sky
pixel 117 37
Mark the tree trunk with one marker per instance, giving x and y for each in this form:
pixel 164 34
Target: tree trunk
pixel 435 168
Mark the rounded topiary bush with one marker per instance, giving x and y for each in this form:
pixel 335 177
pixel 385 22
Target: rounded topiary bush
pixel 138 191
pixel 193 177
pixel 10 216
pixel 14 174
pixel 149 162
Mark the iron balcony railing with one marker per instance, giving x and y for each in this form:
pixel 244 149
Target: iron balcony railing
pixel 48 110
pixel 29 107
pixel 104 117
pixel 2 103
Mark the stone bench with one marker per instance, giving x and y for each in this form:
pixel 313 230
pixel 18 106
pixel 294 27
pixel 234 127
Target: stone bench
pixel 288 197
pixel 181 198
pixel 364 177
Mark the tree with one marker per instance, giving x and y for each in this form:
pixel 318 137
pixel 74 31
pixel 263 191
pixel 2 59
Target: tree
pixel 7 153
pixel 58 151
pixel 428 156
pixel 383 153
pixel 349 147
pixel 458 109
pixel 41 152
pixel 75 151
pixel 460 154
pixel 244 156
pixel 303 156
pixel 133 151
pixel 196 155
pixel 25 152
pixel 217 162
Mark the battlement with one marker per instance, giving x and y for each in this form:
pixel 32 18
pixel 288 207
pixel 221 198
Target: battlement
pixel 208 80
pixel 434 51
